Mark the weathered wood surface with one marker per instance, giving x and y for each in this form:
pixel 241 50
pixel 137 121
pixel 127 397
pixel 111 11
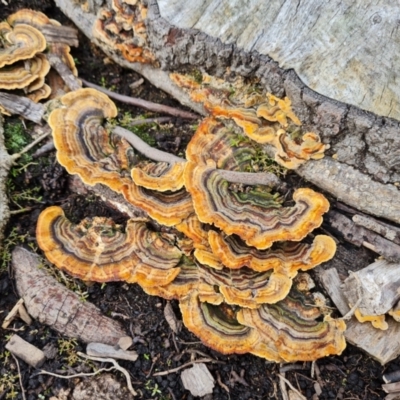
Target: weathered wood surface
pixel 346 50
pixel 377 285
pixel 361 236
pixel 5 165
pixel 22 106
pixel 384 346
pixel 53 304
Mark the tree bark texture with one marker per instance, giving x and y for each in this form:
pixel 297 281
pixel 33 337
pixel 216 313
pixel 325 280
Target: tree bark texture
pixel 5 166
pixel 365 146
pixel 51 303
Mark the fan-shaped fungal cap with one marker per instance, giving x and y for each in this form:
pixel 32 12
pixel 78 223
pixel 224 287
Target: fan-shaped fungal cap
pixel 20 43
pixel 39 94
pixel 160 176
pixel 218 328
pixel 98 250
pixel 84 146
pixel 25 74
pixel 294 329
pixel 256 220
pixel 244 287
pixel 167 208
pixel 289 256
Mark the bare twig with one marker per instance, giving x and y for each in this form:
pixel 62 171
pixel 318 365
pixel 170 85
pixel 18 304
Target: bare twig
pixel 66 74
pixel 20 377
pixel 359 295
pixel 49 146
pixel 80 375
pixel 116 366
pixel 282 386
pixel 136 84
pixel 147 105
pixel 173 370
pixel 248 178
pixel 29 146
pixel 222 384
pixel 145 149
pixel 291 386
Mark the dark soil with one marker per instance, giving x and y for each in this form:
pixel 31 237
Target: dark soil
pixel 353 375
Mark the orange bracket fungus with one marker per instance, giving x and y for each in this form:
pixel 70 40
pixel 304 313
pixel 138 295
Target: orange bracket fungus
pixel 263 118
pixel 123 27
pixel 233 250
pixel 258 222
pixel 19 43
pixel 98 250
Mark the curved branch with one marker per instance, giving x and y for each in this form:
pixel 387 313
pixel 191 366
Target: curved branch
pixel 147 105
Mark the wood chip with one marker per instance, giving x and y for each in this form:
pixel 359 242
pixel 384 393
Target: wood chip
pixel 383 346
pixel 391 387
pixel 104 350
pixel 26 351
pixel 17 310
pixel 170 317
pixel 125 342
pixel 198 380
pixel 378 286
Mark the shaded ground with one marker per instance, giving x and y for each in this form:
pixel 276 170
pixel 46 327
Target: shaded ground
pixel 353 375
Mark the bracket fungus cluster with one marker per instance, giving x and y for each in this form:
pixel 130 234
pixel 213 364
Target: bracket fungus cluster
pixel 233 249
pixel 122 27
pixel 24 45
pixel 265 119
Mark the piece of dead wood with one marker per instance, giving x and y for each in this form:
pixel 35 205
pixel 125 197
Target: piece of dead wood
pixel 389 232
pixel 391 387
pixel 17 310
pixel 65 73
pixel 383 346
pixel 198 380
pixel 171 318
pixel 393 396
pixel 147 105
pixel 53 304
pixel 105 350
pixel 22 106
pixel 377 285
pixel 26 351
pixel 60 34
pixel 220 383
pixel 173 370
pixel 361 236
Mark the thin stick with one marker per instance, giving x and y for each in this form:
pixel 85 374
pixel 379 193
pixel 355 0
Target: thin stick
pixel 247 178
pixel 80 375
pixel 20 377
pixel 67 76
pixel 147 105
pixel 291 386
pixel 145 149
pixel 173 370
pixel 116 366
pixel 29 146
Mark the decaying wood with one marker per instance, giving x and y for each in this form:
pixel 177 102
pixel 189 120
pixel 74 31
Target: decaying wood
pixel 379 287
pixel 391 387
pixel 198 380
pixel 26 351
pixel 53 304
pixel 383 346
pixel 362 237
pixel 65 73
pixel 358 139
pixel 17 310
pixel 389 232
pixel 5 165
pixel 60 34
pixel 147 105
pixel 105 350
pixel 22 106
pixel 114 200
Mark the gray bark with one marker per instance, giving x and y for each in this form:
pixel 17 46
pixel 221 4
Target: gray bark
pixel 53 304
pixel 5 166
pixel 366 146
